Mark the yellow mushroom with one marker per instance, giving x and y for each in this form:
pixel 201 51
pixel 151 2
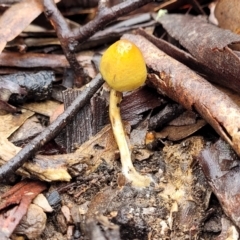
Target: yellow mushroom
pixel 122 66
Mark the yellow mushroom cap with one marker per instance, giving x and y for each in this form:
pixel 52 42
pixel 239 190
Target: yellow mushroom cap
pixel 122 66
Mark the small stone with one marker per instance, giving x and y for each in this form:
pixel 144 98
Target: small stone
pixel 33 223
pixel 42 202
pixel 66 212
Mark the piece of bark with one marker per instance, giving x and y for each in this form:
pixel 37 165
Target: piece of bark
pixel 192 91
pixel 37 85
pixel 87 122
pixel 170 112
pixel 136 103
pixel 221 166
pixel 209 44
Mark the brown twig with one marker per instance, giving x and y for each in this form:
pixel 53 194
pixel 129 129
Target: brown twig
pixel 64 35
pixel 71 39
pixel 51 131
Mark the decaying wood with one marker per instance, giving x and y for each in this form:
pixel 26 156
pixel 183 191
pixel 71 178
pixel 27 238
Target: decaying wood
pixel 192 91
pixel 87 122
pixel 209 44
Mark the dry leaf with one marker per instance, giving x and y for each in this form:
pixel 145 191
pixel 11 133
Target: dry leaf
pixel 209 44
pixel 17 18
pixel 46 108
pixel 8 124
pixel 176 133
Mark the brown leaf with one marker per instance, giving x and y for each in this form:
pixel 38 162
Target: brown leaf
pixel 46 108
pixel 221 167
pixel 176 133
pixel 192 91
pixel 136 103
pixel 17 18
pixel 209 45
pixel 9 124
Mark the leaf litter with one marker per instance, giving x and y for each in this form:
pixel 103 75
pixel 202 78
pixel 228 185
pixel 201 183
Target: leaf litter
pixel 168 142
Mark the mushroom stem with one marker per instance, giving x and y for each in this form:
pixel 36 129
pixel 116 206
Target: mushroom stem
pixel 128 169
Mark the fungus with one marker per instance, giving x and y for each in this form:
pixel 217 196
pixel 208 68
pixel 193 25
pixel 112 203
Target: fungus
pixel 122 66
